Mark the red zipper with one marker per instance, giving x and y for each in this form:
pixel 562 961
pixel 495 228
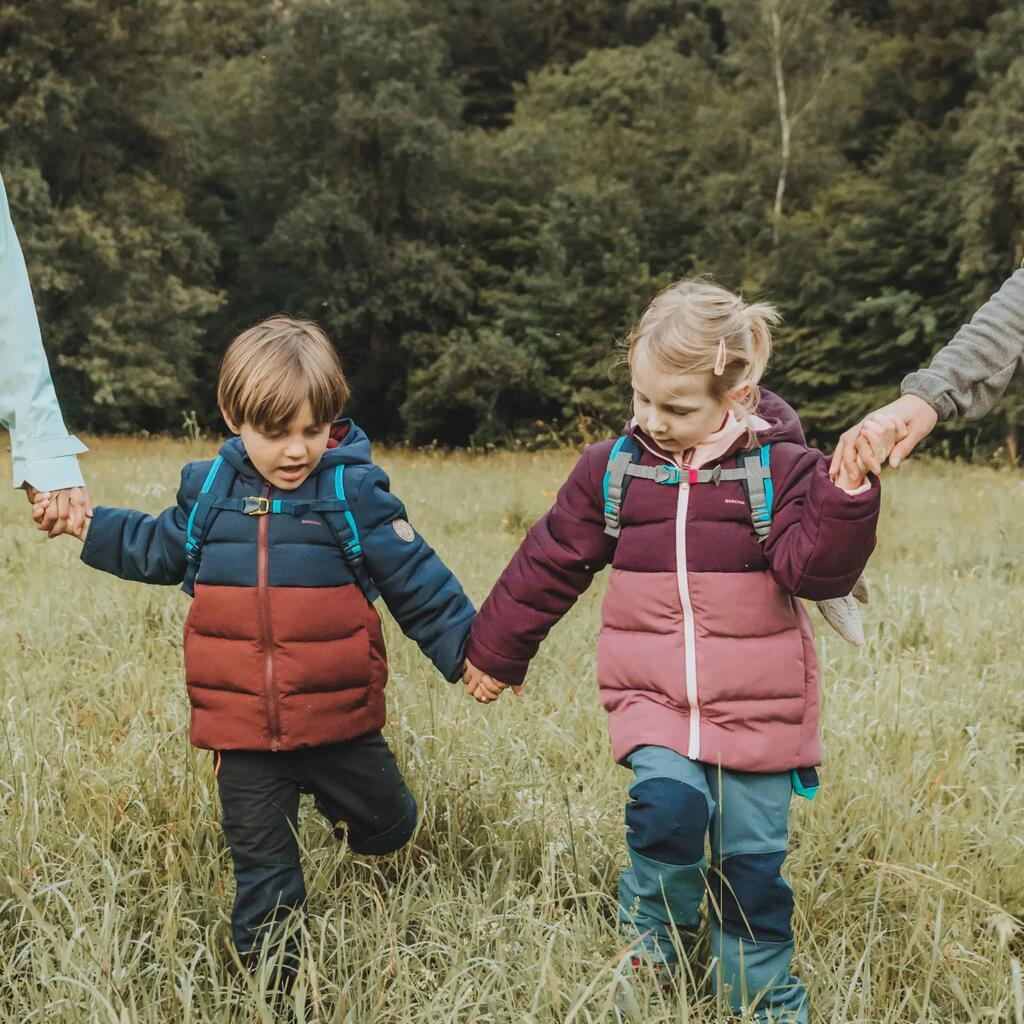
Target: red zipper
pixel 263 592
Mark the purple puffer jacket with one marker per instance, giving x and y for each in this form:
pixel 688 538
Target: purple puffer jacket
pixel 703 647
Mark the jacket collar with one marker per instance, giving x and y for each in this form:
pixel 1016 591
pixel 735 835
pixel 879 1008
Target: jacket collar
pixel 728 439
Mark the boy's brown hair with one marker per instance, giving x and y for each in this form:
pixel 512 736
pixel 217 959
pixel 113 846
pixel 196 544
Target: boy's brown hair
pixel 269 370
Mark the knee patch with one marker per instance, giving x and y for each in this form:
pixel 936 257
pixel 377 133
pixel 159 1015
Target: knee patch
pixel 392 838
pixel 754 900
pixel 667 821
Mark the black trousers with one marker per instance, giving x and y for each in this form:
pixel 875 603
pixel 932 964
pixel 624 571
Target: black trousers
pixel 358 788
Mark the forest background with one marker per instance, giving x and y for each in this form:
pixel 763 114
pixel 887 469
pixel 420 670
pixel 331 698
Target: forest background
pixel 476 197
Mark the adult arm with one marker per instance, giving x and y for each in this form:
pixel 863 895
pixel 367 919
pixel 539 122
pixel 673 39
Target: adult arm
pixel 43 451
pixel 969 375
pixel 966 378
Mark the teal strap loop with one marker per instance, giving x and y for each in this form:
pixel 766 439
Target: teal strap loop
pixel 769 489
pixel 353 544
pixel 190 540
pixel 808 786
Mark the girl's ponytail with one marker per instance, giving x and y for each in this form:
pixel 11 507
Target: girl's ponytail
pixel 760 318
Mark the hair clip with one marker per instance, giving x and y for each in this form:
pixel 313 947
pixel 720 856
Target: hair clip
pixel 720 358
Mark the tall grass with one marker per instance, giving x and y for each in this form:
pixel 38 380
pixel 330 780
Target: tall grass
pixel 115 883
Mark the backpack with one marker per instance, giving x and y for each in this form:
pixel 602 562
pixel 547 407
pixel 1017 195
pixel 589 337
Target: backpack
pixel 330 502
pixel 753 470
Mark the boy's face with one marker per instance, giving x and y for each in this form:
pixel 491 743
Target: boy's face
pixel 285 457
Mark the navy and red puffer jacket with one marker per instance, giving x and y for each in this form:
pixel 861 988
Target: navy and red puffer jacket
pixel 283 649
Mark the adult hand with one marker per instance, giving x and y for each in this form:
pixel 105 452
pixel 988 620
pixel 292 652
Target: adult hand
pixel 914 418
pixel 66 510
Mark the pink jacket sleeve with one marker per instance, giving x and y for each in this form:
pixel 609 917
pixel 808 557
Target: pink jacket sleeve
pixel 554 565
pixel 821 537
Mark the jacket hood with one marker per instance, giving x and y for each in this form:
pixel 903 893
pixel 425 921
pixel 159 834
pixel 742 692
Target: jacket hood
pixel 783 422
pixel 348 445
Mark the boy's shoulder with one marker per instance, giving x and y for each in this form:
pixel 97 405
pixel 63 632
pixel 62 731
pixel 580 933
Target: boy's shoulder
pixel 194 474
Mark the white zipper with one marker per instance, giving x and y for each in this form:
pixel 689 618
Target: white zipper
pixel 682 581
pixel 689 630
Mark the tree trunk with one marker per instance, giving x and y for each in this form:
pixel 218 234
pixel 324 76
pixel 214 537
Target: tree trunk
pixel 785 124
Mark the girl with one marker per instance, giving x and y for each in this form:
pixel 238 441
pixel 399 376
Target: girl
pixel 706 661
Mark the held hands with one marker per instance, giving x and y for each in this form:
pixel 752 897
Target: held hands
pixel 915 419
pixel 483 687
pixel 65 511
pixel 876 438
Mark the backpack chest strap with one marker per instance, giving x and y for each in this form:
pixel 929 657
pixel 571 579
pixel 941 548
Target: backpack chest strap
pixel 674 475
pixel 335 511
pixel 262 506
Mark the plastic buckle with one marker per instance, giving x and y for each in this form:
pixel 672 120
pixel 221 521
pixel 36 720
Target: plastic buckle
pixel 256 506
pixel 669 475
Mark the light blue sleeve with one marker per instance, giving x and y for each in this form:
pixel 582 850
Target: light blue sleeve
pixel 43 451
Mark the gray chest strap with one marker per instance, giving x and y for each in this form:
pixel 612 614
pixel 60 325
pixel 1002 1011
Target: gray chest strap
pixel 752 471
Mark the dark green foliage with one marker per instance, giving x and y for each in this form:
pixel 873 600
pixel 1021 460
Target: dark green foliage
pixel 476 197
pixel 123 277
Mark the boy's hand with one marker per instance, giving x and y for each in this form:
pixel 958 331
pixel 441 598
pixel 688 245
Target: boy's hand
pixel 63 511
pixel 77 519
pixel 482 687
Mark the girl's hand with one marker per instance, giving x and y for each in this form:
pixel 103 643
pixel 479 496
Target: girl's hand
pixel 868 451
pixel 877 438
pixel 482 687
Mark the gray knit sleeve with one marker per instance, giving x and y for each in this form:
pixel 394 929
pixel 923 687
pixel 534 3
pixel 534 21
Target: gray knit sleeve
pixel 969 375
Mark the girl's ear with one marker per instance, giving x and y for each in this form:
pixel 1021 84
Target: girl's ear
pixel 740 393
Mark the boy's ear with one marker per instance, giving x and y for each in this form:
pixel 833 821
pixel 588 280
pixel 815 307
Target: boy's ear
pixel 227 420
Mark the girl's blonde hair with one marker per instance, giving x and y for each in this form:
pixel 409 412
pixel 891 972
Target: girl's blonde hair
pixel 698 327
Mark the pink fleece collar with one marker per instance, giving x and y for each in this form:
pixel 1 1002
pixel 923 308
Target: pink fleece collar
pixel 712 448
pixel 715 445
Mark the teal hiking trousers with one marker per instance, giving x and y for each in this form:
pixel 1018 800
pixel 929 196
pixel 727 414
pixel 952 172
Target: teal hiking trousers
pixel 675 805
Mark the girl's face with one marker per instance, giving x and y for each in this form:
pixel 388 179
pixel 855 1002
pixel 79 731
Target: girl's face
pixel 676 409
pixel 287 456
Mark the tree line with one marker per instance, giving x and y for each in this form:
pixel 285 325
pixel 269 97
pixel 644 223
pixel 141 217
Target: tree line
pixel 476 197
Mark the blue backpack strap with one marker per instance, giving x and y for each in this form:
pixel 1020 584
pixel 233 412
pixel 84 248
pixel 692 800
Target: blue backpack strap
pixel 757 483
pixel 616 482
pixel 204 511
pixel 342 523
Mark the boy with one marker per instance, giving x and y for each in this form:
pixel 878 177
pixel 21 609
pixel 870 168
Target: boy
pixel 284 541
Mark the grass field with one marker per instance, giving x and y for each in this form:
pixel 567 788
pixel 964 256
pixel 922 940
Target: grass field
pixel 115 884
